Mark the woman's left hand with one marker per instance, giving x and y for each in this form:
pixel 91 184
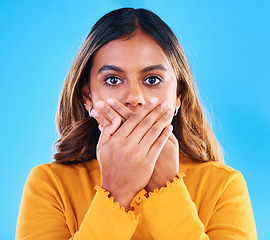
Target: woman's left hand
pixel 167 164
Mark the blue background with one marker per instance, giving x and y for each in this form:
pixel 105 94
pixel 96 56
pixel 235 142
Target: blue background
pixel 227 44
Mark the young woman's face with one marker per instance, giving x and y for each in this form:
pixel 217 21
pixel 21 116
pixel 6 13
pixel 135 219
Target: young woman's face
pixel 133 71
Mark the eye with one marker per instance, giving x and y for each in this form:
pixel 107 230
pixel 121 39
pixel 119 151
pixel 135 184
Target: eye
pixel 153 80
pixel 112 81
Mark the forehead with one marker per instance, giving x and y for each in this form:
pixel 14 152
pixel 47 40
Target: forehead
pixel 138 51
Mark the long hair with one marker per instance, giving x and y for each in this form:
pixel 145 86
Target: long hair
pixel 79 133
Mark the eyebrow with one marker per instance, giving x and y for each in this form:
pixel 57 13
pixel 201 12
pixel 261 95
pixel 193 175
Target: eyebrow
pixel 110 67
pixel 154 67
pixel 118 69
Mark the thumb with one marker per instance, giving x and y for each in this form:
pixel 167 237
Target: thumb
pixel 108 131
pixel 173 139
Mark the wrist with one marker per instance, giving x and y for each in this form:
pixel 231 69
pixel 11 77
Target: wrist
pixel 158 184
pixel 123 198
pixel 152 187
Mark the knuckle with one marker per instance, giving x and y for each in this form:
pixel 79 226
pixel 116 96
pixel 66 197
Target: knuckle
pixel 159 144
pixel 165 116
pixel 118 107
pixel 118 119
pixel 128 116
pixel 158 110
pixel 166 132
pixel 100 118
pixel 147 123
pixel 135 117
pixel 155 130
pixel 147 105
pixel 108 111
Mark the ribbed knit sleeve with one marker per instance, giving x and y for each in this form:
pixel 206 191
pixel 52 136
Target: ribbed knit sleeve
pixel 170 213
pixel 43 212
pixel 106 220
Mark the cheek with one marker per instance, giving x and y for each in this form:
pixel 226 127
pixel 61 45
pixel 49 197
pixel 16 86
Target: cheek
pixel 167 94
pixel 104 94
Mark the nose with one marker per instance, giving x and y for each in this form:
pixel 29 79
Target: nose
pixel 134 95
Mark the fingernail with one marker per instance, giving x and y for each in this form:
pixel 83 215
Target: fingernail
pixel 94 113
pixel 110 101
pixel 153 100
pixel 164 104
pixel 169 112
pixel 99 104
pixel 100 127
pixel 170 127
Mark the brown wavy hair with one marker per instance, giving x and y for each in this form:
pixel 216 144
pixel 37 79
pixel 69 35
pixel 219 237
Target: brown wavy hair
pixel 79 133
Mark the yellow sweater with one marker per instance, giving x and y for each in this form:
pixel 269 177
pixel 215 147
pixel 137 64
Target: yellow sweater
pixel 207 201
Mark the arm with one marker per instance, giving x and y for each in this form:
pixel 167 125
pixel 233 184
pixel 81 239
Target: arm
pixel 170 212
pixel 167 164
pixel 232 216
pixel 44 213
pixel 43 210
pixel 139 141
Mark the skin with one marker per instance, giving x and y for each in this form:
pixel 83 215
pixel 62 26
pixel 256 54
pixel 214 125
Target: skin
pixel 133 97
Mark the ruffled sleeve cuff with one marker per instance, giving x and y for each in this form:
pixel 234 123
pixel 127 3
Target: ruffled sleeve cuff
pixel 107 220
pixel 119 211
pixel 163 190
pixel 168 208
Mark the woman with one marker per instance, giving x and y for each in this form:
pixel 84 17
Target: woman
pixel 144 164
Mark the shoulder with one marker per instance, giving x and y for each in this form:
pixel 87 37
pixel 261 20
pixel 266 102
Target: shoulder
pixel 212 182
pixel 53 170
pixel 60 176
pixel 45 176
pixel 211 175
pixel 54 174
pixel 210 167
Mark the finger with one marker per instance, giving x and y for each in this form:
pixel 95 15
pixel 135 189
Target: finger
pixel 157 146
pixel 105 123
pixel 154 122
pixel 122 110
pixel 135 118
pixel 102 121
pixel 100 127
pixel 108 131
pixel 107 111
pixel 173 139
pixel 154 131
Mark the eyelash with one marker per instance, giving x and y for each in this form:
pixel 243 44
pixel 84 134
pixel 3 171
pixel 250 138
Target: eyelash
pixel 155 77
pixel 114 77
pixel 111 77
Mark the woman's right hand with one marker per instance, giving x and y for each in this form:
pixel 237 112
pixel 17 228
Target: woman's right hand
pixel 127 158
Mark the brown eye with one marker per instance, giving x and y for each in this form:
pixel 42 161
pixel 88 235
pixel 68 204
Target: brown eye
pixel 153 80
pixel 112 81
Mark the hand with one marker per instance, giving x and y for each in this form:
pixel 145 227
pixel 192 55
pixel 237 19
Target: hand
pixel 127 158
pixel 167 164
